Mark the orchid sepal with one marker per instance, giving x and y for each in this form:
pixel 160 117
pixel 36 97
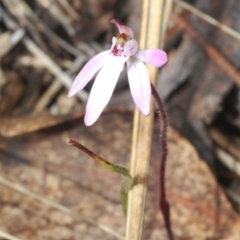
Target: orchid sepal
pixel 88 72
pixel 156 57
pixel 122 28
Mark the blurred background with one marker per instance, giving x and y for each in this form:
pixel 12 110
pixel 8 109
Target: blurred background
pixel 49 190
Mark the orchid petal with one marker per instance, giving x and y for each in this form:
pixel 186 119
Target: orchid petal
pixel 114 41
pixel 155 57
pixel 130 47
pixel 122 28
pixel 140 85
pixel 88 71
pixel 103 88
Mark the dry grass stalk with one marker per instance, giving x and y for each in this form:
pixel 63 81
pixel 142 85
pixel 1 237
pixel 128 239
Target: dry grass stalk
pixel 65 79
pixel 55 86
pixel 43 200
pixel 212 52
pixel 70 10
pixel 153 20
pixel 8 236
pixel 208 19
pixel 60 75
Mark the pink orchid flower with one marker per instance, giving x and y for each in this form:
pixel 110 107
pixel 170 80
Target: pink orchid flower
pixel 110 63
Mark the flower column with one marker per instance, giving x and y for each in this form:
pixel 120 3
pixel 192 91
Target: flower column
pixel 153 23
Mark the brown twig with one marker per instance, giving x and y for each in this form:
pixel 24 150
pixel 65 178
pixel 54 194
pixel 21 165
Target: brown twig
pixel 208 19
pixel 224 142
pixel 215 55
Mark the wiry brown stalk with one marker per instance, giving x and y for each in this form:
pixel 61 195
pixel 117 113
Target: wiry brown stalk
pixel 163 124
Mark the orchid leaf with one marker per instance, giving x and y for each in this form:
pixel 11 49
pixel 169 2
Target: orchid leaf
pixel 127 178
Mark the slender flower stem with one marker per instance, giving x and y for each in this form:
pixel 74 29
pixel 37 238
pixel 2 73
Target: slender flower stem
pixel 163 124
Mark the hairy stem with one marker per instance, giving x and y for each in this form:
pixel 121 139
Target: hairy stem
pixel 163 124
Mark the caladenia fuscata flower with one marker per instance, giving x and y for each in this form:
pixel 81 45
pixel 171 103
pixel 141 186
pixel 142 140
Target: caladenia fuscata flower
pixel 110 64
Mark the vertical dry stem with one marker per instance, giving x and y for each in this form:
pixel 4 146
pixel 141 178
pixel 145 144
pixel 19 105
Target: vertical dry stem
pixel 151 33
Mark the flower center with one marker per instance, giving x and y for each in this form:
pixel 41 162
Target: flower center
pixel 118 49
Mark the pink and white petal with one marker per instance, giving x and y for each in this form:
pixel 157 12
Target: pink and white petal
pixel 102 89
pixel 88 72
pixel 114 41
pixel 123 28
pixel 140 85
pixel 155 57
pixel 130 47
